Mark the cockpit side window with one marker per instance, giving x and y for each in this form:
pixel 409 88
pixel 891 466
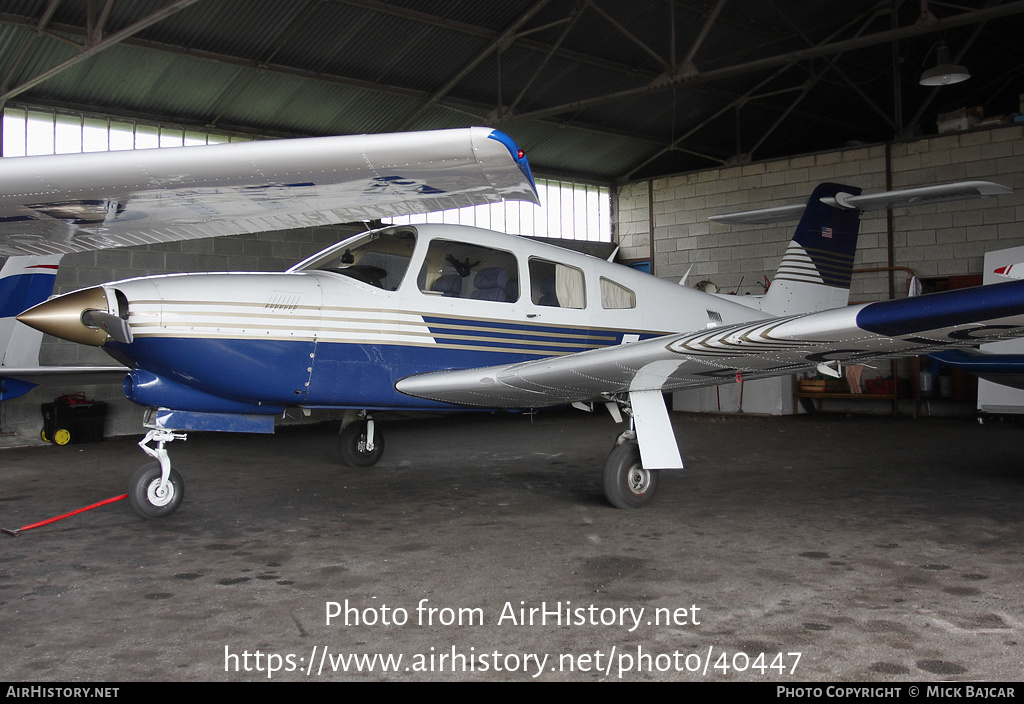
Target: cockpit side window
pixel 463 270
pixel 379 258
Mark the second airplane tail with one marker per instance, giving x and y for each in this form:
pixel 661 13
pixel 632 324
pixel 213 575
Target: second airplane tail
pixel 24 282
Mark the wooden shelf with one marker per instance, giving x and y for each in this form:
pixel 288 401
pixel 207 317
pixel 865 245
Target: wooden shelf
pixel 892 398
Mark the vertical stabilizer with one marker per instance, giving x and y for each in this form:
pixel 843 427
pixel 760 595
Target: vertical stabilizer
pixel 24 282
pixel 816 269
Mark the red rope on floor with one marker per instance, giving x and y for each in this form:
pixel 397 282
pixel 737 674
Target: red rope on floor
pixel 30 526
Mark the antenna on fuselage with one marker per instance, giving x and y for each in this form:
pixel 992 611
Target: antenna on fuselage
pixel 682 281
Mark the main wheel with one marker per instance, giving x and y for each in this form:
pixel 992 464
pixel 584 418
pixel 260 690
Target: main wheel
pixel 144 492
pixel 352 445
pixel 626 483
pixel 61 436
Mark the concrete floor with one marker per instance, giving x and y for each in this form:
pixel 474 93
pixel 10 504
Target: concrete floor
pixel 878 550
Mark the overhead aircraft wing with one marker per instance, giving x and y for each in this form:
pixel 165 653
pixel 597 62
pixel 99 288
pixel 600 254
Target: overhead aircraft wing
pixel 771 347
pixel 81 202
pixel 872 201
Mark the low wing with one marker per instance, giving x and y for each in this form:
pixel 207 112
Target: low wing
pixel 80 375
pixel 771 347
pixel 872 201
pixel 81 202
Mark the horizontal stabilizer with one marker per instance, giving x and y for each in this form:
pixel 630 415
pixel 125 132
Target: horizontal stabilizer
pixel 780 213
pixel 926 194
pixel 873 201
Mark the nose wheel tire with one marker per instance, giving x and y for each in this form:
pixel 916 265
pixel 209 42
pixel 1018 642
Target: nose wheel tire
pixel 626 483
pixel 145 496
pixel 352 445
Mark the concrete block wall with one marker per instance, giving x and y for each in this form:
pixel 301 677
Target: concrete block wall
pixel 267 251
pixel 934 240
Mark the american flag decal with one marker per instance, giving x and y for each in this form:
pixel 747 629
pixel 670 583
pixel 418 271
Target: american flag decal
pixel 826 232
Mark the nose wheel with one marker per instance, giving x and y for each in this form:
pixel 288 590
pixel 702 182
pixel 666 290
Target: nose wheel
pixel 150 496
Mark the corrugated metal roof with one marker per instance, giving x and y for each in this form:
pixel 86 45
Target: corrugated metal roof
pixel 595 88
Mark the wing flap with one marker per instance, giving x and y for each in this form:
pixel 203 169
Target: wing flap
pixel 771 347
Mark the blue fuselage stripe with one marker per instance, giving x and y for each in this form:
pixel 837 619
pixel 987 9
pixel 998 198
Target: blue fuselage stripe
pixel 543 340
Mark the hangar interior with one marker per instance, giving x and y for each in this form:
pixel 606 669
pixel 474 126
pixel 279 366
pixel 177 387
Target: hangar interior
pixel 810 548
pixel 680 109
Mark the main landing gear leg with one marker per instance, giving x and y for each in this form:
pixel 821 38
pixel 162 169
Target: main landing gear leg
pixel 361 443
pixel 628 483
pixel 156 490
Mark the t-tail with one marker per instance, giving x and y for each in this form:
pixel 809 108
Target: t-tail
pixel 818 264
pixel 816 270
pixel 25 281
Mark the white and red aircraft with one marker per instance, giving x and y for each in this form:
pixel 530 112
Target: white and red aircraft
pixel 435 317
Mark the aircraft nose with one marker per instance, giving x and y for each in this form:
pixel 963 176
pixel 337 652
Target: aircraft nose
pixel 82 316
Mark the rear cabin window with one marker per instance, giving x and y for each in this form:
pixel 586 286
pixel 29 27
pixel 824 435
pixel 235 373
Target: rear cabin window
pixel 557 285
pixel 616 296
pixel 463 270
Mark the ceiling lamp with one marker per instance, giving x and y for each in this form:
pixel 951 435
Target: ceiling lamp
pixel 945 72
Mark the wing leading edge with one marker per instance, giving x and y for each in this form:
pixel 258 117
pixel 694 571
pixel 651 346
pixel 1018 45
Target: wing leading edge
pixel 764 348
pixel 81 202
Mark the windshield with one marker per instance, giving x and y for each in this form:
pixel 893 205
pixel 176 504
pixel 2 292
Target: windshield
pixel 379 258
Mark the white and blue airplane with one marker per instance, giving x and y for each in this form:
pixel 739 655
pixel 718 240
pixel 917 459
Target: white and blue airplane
pixel 436 317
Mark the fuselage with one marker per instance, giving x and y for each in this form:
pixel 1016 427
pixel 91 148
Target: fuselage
pixel 341 328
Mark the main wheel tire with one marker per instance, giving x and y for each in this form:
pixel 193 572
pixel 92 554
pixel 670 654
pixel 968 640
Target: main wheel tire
pixel 61 436
pixel 144 496
pixel 352 445
pixel 626 483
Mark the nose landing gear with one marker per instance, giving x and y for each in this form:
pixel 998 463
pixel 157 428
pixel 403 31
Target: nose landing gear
pixel 156 490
